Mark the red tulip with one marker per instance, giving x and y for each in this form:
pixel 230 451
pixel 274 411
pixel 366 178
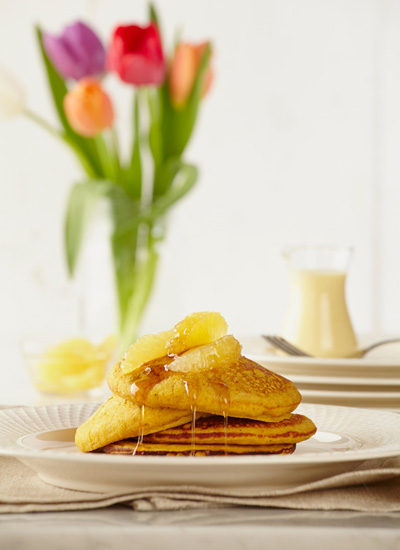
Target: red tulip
pixel 88 108
pixel 136 55
pixel 183 70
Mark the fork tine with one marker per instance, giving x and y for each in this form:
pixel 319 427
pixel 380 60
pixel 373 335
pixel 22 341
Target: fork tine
pixel 285 346
pixel 293 348
pixel 279 345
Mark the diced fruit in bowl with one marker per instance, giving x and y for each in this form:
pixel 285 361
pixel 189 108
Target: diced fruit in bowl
pixel 70 366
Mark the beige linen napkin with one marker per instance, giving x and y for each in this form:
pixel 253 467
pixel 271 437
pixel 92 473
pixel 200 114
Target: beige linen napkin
pixel 372 487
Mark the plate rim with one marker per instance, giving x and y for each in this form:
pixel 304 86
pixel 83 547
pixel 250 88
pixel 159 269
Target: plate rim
pixel 256 348
pixel 326 361
pixel 384 395
pixel 351 381
pixel 360 454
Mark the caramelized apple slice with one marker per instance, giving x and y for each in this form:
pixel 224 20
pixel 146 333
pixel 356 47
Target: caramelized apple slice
pixel 195 330
pixel 224 351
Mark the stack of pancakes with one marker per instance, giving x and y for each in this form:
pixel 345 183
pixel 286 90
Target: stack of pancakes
pixel 237 408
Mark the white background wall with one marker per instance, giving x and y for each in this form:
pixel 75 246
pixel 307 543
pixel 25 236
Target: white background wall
pixel 298 142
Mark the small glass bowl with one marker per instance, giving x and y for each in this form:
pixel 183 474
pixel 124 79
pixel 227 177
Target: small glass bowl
pixel 68 368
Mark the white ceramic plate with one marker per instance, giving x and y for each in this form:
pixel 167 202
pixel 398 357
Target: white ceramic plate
pixel 42 438
pixel 368 367
pixel 355 384
pixel 378 400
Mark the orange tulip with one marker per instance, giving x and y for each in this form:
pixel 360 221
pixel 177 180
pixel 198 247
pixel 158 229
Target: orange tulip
pixel 208 75
pixel 183 70
pixel 88 108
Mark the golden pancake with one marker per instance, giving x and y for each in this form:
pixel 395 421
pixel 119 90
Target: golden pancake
pixel 237 431
pixel 119 419
pixel 238 406
pixel 243 389
pixel 130 447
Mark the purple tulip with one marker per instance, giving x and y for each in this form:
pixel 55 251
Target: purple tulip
pixel 77 52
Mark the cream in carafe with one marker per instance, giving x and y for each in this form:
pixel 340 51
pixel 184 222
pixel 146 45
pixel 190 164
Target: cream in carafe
pixel 317 318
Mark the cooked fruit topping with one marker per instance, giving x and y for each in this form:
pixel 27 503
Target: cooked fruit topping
pixel 221 352
pixel 197 329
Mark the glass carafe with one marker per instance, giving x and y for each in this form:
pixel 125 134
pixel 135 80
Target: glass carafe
pixel 317 319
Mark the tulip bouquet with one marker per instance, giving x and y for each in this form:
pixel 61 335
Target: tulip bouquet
pixel 166 97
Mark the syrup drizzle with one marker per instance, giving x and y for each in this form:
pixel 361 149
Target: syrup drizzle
pixel 141 430
pixel 192 396
pixel 151 376
pixel 147 378
pixel 225 401
pixel 193 447
pixel 225 415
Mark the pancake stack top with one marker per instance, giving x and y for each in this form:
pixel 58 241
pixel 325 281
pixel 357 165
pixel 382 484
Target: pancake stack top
pixel 189 391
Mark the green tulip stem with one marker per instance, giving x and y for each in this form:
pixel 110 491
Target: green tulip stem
pixel 37 119
pixel 43 123
pixel 146 198
pixel 115 150
pixel 114 140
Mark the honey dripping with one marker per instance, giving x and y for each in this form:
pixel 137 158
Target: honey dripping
pixel 225 414
pixel 150 377
pixel 193 445
pixel 225 400
pixel 191 392
pixel 144 384
pixel 141 430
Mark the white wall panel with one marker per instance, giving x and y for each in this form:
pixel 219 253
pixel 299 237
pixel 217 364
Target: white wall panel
pixel 389 168
pixel 297 143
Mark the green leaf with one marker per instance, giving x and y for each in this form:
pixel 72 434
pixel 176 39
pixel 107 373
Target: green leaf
pixel 108 163
pixel 185 176
pixel 115 154
pixel 155 131
pixel 57 84
pixel 183 181
pixel 153 14
pixel 178 124
pixel 165 175
pixel 81 202
pixel 84 159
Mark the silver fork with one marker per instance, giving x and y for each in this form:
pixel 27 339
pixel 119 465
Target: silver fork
pixel 282 344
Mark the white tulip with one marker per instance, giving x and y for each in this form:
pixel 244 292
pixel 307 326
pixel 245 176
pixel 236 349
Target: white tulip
pixel 12 100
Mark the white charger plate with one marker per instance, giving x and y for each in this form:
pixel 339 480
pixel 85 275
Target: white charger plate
pixel 42 438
